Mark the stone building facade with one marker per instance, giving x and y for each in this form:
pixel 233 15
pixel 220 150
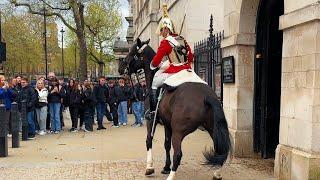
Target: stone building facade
pixel 121 50
pixel 298 99
pixel 194 27
pixel 273 108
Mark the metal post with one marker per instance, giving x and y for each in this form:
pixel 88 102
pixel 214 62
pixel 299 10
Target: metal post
pixel 3 132
pixel 0 28
pixel 62 31
pixel 15 120
pixel 45 39
pixel 24 120
pixel 1 60
pixel 210 55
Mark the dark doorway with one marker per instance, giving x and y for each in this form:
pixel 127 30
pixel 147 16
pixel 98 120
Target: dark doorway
pixel 267 90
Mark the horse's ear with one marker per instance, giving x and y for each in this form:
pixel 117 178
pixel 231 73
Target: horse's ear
pixel 147 42
pixel 139 44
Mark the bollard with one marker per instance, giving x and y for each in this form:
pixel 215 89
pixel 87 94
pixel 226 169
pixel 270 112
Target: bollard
pixel 3 132
pixel 24 120
pixel 15 119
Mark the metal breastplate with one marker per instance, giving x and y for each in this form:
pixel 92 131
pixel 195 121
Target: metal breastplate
pixel 178 54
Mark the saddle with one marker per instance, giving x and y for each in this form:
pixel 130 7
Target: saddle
pixel 186 75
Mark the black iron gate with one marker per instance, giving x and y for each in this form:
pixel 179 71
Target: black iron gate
pixel 208 58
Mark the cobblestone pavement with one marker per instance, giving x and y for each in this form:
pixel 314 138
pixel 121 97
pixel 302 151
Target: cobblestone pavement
pixel 116 154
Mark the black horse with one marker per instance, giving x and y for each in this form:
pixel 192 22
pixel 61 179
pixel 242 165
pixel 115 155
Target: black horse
pixel 181 111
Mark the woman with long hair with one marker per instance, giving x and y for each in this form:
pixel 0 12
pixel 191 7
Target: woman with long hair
pixel 88 102
pixel 74 103
pixel 42 106
pixel 56 93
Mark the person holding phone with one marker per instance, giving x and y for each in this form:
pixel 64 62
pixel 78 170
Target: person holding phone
pixel 6 98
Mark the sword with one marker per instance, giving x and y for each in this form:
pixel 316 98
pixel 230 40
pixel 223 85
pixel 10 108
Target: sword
pixel 155 113
pixel 181 27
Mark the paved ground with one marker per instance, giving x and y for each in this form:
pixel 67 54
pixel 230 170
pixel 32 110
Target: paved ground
pixel 116 154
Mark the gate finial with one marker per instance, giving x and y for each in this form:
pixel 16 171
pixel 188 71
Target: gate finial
pixel 211 27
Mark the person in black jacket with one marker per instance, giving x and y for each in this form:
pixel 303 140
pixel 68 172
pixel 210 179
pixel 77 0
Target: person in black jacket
pixel 88 103
pixel 123 93
pixel 113 102
pixel 29 95
pixel 56 93
pixel 75 99
pixel 101 93
pixel 64 100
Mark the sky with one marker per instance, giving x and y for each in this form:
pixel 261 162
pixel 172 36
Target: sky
pixel 124 12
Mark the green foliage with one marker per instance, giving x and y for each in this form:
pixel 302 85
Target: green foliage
pixel 23 32
pixel 24 38
pixel 103 24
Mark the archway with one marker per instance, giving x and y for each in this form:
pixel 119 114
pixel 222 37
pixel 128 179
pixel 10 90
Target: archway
pixel 267 77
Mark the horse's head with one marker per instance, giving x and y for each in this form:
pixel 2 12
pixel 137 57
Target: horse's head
pixel 134 60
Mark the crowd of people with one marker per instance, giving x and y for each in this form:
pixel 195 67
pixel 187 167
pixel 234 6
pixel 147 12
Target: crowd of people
pixel 49 98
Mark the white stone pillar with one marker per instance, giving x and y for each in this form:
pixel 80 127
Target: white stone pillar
pixel 298 154
pixel 239 25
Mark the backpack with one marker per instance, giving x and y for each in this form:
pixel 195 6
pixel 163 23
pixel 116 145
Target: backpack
pixel 180 51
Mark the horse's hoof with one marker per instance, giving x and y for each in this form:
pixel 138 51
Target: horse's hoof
pixel 216 178
pixel 166 171
pixel 149 172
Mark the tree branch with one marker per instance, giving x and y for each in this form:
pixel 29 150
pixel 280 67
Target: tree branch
pixel 97 60
pixel 55 8
pixel 81 11
pixel 91 30
pixel 42 13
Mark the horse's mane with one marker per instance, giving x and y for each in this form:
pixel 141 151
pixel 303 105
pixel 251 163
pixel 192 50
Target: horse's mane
pixel 149 53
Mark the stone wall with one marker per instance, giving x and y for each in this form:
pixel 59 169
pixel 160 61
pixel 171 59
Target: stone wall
pixel 239 25
pixel 147 16
pixel 298 154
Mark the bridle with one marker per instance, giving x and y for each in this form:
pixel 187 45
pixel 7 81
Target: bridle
pixel 139 74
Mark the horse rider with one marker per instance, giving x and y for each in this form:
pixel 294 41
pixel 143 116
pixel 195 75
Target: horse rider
pixel 173 55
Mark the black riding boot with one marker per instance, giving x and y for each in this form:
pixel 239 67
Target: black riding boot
pixel 153 105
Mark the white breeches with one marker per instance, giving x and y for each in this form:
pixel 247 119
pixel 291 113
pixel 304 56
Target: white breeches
pixel 159 78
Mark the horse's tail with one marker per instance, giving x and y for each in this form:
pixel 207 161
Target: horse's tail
pixel 221 138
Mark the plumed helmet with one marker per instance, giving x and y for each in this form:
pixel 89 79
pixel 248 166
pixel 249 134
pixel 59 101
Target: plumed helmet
pixel 165 21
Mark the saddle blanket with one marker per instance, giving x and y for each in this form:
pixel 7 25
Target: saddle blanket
pixel 183 76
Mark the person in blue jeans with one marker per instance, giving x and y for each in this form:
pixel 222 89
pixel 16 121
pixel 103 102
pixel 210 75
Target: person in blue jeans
pixel 29 95
pixel 137 104
pixel 56 93
pixel 123 92
pixel 101 94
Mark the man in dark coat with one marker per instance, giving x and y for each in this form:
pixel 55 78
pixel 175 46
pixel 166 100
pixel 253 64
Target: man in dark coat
pixel 29 95
pixel 113 101
pixel 101 93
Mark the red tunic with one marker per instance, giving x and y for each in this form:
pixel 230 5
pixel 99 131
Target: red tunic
pixel 164 50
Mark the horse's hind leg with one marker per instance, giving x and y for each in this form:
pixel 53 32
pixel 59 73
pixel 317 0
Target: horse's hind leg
pixel 150 168
pixel 177 155
pixel 167 145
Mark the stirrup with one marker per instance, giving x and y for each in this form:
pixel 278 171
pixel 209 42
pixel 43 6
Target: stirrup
pixel 149 115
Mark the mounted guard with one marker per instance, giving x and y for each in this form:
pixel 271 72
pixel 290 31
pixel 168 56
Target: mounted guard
pixel 173 55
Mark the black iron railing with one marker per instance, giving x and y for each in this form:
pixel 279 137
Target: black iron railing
pixel 208 57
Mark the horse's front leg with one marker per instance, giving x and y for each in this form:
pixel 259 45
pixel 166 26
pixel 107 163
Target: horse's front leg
pixel 167 145
pixel 150 168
